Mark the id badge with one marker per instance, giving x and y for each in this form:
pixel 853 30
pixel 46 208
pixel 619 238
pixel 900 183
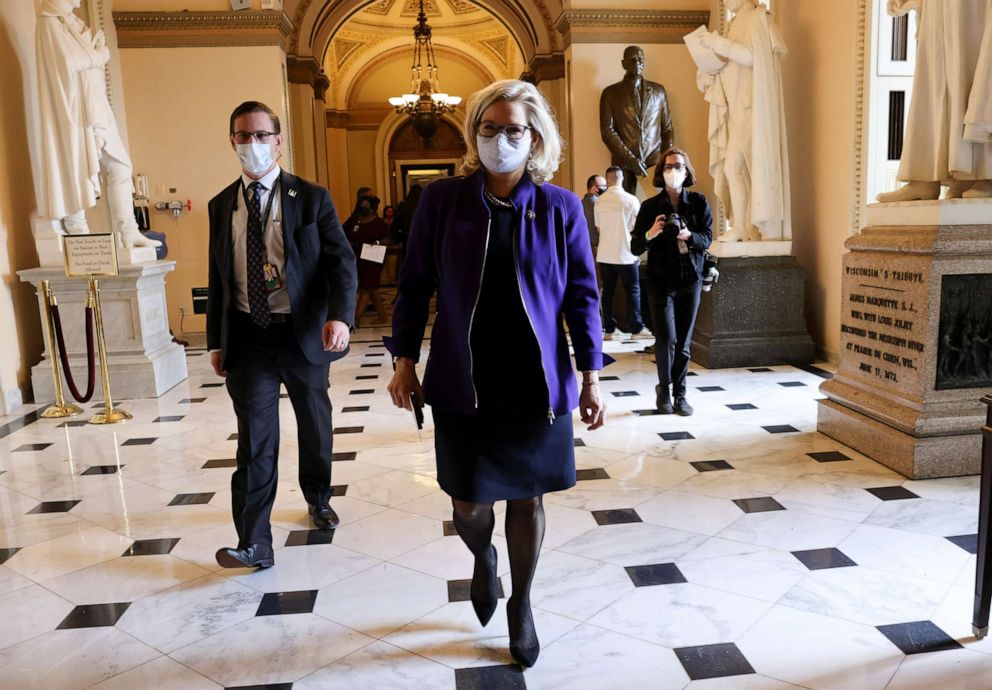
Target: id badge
pixel 272 280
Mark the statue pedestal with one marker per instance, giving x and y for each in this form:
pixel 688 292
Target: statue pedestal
pixel 754 314
pixel 143 360
pixel 915 342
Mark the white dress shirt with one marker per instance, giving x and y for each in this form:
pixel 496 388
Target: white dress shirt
pixel 616 212
pixel 275 255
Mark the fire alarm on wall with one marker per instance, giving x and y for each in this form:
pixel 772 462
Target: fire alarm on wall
pixel 240 5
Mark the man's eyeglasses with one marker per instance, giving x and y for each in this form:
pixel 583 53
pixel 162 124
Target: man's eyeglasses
pixel 513 132
pixel 673 166
pixel 262 137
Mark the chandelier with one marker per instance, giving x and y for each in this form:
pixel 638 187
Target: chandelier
pixel 426 102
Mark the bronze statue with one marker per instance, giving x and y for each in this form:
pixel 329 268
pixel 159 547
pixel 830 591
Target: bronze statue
pixel 634 120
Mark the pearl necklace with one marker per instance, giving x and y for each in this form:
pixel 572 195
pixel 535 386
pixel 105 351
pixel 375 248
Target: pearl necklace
pixel 495 200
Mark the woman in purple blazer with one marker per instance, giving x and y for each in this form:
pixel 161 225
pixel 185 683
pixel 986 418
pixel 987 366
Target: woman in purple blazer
pixel 508 256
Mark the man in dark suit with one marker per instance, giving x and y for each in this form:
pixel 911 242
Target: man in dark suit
pixel 634 120
pixel 282 298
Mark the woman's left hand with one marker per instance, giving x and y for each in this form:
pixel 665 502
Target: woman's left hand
pixel 592 409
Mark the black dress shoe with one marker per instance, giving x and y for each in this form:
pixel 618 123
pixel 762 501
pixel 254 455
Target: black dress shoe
pixel 524 645
pixel 662 399
pixel 323 516
pixel 682 407
pixel 254 556
pixel 484 591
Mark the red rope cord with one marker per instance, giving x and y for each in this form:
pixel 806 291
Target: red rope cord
pixel 90 355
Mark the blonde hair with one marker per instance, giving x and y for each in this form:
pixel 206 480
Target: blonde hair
pixel 546 155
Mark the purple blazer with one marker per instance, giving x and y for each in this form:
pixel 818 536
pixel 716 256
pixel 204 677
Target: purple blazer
pixel 446 254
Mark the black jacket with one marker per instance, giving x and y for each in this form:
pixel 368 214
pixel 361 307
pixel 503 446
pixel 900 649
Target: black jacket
pixel 320 270
pixel 663 254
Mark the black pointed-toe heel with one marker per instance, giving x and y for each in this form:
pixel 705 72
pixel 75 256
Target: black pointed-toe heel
pixel 485 587
pixel 524 653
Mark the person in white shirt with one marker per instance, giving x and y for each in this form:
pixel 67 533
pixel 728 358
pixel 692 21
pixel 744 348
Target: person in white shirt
pixel 616 212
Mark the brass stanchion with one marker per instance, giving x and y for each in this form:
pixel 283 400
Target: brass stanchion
pixel 110 415
pixel 60 408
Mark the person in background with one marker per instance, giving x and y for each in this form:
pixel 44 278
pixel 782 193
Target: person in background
pixel 388 214
pixel 507 255
pixel 595 185
pixel 368 228
pixel 350 220
pixel 676 248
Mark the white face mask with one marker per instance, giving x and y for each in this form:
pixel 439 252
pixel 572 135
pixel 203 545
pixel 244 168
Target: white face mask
pixel 501 155
pixel 255 158
pixel 674 178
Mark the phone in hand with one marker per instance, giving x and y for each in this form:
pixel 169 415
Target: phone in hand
pixel 418 410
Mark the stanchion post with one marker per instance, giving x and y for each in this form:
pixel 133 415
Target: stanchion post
pixel 59 409
pixel 110 414
pixel 983 565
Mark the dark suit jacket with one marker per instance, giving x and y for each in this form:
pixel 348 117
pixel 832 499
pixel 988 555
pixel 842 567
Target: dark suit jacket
pixel 320 271
pixel 635 134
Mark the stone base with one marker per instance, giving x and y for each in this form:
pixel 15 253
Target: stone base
pixel 129 256
pixel 754 315
pixel 143 361
pixel 936 212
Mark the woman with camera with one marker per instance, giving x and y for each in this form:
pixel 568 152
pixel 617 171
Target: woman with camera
pixel 676 228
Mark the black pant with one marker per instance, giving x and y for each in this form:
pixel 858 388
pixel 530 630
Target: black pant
pixel 260 359
pixel 674 314
pixel 629 278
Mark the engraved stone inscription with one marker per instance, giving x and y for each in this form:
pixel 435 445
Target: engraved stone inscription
pixel 964 354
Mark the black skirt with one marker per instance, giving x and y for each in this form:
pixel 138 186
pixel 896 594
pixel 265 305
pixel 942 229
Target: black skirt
pixel 489 457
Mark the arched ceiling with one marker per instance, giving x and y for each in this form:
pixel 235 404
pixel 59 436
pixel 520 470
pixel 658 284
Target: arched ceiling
pixel 468 40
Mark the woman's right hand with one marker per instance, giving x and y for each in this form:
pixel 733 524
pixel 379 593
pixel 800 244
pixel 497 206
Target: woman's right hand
pixel 655 230
pixel 405 382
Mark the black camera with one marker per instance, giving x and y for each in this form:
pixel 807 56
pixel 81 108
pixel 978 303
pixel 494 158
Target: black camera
pixel 673 226
pixel 710 274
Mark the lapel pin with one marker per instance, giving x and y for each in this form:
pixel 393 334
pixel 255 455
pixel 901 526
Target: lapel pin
pixel 292 193
pixel 531 215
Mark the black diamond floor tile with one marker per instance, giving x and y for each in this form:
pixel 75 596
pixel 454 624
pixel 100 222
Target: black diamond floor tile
pixel 829 456
pixel 30 447
pixel 657 574
pixel 367 377
pixel 349 429
pixel 284 396
pixel 823 559
pixel 816 371
pixel 460 590
pixel 188 401
pixel 892 493
pixel 371 365
pixel 762 504
pixel 759 370
pixel 741 406
pixel 10 427
pixel 73 424
pixel 170 418
pixel 625 394
pixel 151 547
pixel 233 437
pixel 585 475
pixel 362 391
pixel 285 603
pixel 710 389
pixel 101 469
pixel 93 616
pixel 791 384
pixel 448 527
pixel 267 686
pixel 220 462
pixel 693 373
pixel 508 677
pixel 377 345
pixel 646 413
pixel 339 489
pixel 968 542
pixel 676 435
pixel 578 443
pixel 6 553
pixel 53 507
pixel 713 661
pixel 139 441
pixel 711 465
pixel 191 499
pixel 310 537
pixel 356 408
pixel 344 457
pixel 212 385
pixel 617 516
pixel 376 354
pixel 609 378
pixel 918 637
pixel 780 429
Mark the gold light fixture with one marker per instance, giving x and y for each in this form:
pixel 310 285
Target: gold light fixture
pixel 426 102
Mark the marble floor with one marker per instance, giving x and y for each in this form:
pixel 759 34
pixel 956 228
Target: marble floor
pixel 736 549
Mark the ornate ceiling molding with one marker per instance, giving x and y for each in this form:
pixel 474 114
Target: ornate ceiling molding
pixel 623 26
pixel 306 70
pixel 545 68
pixel 188 29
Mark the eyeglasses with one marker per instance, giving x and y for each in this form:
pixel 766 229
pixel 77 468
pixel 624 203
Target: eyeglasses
pixel 261 136
pixel 673 166
pixel 513 132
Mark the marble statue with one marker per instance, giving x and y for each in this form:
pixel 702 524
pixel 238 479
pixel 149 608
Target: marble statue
pixel 940 145
pixel 634 120
pixel 749 158
pixel 79 136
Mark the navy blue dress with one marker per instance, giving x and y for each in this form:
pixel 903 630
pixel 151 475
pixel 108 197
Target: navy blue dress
pixel 509 449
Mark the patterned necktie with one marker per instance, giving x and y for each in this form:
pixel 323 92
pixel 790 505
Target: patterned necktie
pixel 258 299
